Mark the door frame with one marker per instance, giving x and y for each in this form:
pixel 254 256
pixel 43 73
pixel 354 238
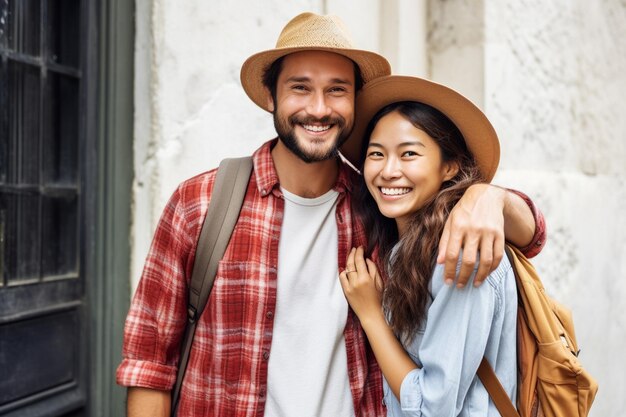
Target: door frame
pixel 111 152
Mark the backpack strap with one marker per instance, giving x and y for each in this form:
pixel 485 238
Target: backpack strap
pixel 490 380
pixel 227 198
pixel 493 386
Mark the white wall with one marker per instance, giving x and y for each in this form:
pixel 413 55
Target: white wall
pixel 550 75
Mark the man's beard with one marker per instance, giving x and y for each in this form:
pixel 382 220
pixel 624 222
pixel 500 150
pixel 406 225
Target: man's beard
pixel 286 133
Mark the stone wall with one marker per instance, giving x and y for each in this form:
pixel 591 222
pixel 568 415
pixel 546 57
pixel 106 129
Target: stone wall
pixel 551 76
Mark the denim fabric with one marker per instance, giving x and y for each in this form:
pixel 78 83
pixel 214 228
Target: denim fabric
pixel 462 326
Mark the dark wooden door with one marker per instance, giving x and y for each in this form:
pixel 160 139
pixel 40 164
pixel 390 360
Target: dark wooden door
pixel 43 238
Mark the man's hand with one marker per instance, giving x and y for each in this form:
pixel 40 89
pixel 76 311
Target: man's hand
pixel 475 224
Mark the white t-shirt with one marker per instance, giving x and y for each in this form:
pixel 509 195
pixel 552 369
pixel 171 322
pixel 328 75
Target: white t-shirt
pixel 308 365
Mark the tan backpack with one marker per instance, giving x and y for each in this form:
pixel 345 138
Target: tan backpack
pixel 552 382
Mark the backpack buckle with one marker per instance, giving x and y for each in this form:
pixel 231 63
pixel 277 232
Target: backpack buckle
pixel 192 314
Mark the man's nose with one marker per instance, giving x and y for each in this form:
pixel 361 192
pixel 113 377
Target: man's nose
pixel 318 106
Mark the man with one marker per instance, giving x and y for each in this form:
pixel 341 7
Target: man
pixel 277 337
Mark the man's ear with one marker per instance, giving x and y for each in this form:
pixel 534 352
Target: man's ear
pixel 450 169
pixel 270 100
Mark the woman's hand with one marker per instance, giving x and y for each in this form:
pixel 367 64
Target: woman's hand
pixel 362 286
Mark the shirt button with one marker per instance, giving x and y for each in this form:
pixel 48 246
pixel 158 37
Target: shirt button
pixel 269 314
pixel 262 393
pixel 266 355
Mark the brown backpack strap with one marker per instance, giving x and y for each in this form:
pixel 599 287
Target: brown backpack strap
pixel 492 384
pixel 227 198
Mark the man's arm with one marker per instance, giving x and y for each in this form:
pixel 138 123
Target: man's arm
pixel 146 402
pixel 480 222
pixel 519 222
pixel 535 246
pixel 156 318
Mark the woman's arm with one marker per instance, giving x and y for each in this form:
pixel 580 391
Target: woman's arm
pixel 362 287
pixel 453 344
pixel 463 326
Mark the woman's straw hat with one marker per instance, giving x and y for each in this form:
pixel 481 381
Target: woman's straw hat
pixel 309 32
pixel 479 134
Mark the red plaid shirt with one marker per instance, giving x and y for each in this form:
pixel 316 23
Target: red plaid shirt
pixel 227 370
pixel 539 239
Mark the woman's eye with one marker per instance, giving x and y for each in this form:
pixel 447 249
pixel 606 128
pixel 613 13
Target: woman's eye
pixel 375 154
pixel 409 153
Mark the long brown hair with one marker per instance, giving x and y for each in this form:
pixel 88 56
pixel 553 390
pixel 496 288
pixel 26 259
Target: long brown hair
pixel 411 265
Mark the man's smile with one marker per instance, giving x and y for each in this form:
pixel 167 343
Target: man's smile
pixel 315 128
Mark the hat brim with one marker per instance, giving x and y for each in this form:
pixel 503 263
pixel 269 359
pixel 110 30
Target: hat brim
pixel 371 65
pixel 479 134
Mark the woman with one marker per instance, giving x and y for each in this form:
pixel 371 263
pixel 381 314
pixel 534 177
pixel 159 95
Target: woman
pixel 423 147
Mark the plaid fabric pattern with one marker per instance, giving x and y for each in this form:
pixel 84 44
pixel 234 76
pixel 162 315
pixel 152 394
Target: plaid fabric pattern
pixel 227 371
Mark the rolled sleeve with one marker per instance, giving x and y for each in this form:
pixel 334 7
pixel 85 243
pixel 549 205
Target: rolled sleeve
pixel 539 239
pixel 138 373
pixel 411 394
pixel 157 316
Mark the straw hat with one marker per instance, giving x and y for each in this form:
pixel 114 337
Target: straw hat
pixel 309 32
pixel 479 134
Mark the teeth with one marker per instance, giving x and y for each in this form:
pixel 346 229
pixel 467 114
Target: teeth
pixel 316 128
pixel 394 191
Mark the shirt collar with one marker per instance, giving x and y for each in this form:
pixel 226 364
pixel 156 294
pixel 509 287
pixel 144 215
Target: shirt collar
pixel 267 178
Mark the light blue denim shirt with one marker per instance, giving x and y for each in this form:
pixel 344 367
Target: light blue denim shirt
pixel 461 327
